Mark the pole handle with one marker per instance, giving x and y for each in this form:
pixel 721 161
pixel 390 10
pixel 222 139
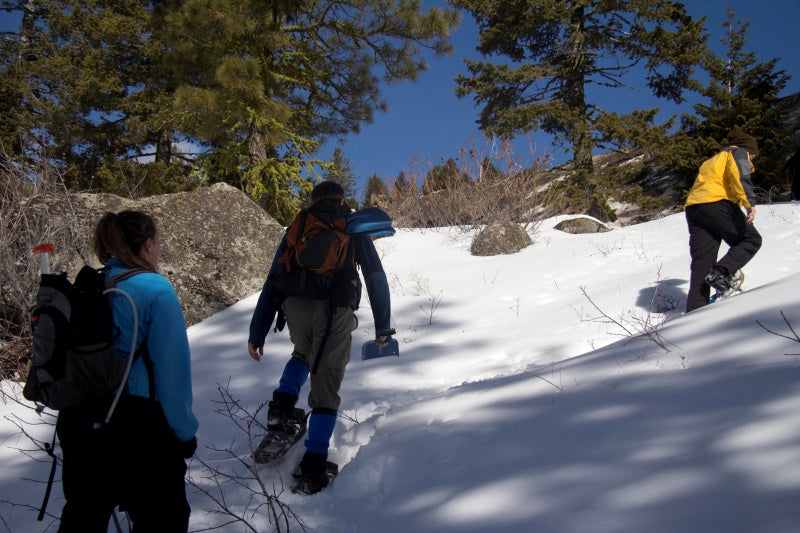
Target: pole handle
pixel 44 251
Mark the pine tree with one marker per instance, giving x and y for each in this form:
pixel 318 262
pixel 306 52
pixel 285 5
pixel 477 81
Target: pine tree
pixel 741 93
pixel 374 190
pixel 85 96
pixel 442 177
pixel 339 171
pixel 558 50
pixel 254 86
pixel 273 80
pixel 15 54
pixel 401 185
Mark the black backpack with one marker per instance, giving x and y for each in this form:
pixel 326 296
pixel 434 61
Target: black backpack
pixel 74 359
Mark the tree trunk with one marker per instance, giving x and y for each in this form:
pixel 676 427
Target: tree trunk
pixel 164 148
pixel 257 144
pixel 575 87
pixel 27 28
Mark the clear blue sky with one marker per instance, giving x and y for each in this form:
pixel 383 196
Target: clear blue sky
pixel 427 123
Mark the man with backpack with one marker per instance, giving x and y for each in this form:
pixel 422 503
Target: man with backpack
pixel 314 282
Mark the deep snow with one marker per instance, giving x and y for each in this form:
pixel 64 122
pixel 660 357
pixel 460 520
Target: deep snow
pixel 520 402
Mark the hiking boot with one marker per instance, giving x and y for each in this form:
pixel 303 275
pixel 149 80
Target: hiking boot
pixel 312 473
pixel 719 279
pixel 281 416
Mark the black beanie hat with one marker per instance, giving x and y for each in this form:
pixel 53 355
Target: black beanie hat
pixel 743 140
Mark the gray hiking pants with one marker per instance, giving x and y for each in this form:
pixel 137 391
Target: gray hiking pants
pixel 307 319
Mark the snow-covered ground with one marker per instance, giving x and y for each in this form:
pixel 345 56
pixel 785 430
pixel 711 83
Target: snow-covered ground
pixel 524 398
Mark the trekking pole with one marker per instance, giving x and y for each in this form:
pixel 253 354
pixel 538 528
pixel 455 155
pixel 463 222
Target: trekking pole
pixel 42 250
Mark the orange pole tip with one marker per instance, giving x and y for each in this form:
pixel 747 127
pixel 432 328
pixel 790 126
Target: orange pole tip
pixel 44 248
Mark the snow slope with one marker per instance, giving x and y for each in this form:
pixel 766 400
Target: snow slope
pixel 524 398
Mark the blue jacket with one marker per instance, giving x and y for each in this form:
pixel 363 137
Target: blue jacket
pixel 162 324
pixel 374 278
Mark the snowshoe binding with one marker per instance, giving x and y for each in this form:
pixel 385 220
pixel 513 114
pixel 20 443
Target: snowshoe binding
pixel 725 285
pixel 284 429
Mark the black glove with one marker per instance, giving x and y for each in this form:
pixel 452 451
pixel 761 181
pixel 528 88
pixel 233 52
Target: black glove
pixel 187 447
pixel 384 334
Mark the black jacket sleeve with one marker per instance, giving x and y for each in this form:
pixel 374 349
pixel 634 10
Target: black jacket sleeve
pixel 267 306
pixel 375 281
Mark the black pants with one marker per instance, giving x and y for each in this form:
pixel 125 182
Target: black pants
pixel 709 225
pixel 133 462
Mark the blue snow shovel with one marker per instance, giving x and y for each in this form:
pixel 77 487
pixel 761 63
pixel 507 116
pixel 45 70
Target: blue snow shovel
pixel 371 350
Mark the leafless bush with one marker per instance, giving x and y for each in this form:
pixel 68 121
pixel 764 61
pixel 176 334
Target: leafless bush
pixel 490 183
pixel 794 337
pixel 30 422
pixel 28 197
pixel 647 325
pixel 771 195
pixel 231 470
pixel 433 304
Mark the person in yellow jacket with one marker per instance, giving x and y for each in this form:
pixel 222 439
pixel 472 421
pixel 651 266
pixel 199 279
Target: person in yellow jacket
pixel 723 188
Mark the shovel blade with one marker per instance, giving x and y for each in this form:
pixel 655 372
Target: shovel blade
pixel 370 350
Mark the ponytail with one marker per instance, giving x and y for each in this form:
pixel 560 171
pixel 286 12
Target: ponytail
pixel 122 236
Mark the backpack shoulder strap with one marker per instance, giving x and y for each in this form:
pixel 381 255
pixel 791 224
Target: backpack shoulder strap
pixel 301 223
pixel 296 228
pixel 142 351
pixel 122 276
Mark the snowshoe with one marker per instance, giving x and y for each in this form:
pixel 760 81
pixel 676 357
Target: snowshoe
pixel 726 287
pixel 283 432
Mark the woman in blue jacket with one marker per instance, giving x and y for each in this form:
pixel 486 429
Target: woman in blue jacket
pixel 137 461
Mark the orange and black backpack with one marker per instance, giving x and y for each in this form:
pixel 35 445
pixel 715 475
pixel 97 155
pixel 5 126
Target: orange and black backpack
pixel 316 245
pixel 318 261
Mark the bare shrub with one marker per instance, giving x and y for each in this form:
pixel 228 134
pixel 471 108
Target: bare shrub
pixel 28 195
pixel 36 429
pixel 793 337
pixel 229 469
pixel 633 325
pixel 492 183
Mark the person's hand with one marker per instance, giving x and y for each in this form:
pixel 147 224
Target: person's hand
pixel 751 214
pixel 382 337
pixel 254 352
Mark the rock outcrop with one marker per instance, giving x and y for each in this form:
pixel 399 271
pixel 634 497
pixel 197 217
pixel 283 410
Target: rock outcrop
pixel 216 243
pixel 581 225
pixel 504 237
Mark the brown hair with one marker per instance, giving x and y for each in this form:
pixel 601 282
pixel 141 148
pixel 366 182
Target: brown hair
pixel 122 236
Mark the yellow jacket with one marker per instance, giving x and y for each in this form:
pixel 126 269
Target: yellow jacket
pixel 726 176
